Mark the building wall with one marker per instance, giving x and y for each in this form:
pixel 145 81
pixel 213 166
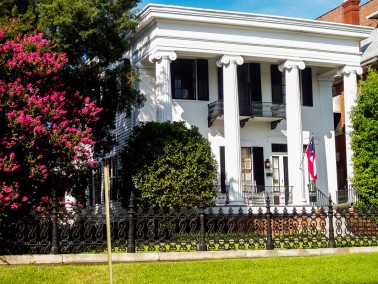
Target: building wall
pixel 255 133
pixel 337 15
pixel 367 9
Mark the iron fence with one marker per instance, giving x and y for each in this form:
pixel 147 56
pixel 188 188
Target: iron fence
pixel 199 229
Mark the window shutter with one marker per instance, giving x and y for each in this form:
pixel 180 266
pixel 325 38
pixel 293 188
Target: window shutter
pixel 203 79
pixel 276 79
pixel 220 83
pixel 258 167
pixel 255 81
pixel 222 169
pixel 306 87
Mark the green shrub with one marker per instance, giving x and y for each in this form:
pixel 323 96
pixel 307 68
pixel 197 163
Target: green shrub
pixel 364 139
pixel 170 165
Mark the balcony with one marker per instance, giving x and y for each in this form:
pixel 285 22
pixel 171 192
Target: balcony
pixel 261 111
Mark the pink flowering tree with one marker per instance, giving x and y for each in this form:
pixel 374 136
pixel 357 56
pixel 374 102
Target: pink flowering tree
pixel 45 127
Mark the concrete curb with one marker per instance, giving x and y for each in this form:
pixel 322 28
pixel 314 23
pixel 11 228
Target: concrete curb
pixel 173 256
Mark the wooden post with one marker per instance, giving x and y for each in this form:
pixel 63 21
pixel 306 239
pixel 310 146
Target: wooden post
pixel 107 210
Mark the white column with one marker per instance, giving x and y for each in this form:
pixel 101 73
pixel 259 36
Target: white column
pixel 326 160
pixel 349 74
pixel 294 128
pixel 232 126
pixel 163 90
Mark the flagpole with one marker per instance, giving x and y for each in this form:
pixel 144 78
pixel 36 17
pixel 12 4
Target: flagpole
pixel 107 211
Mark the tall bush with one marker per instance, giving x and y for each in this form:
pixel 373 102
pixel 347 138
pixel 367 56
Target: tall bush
pixel 46 127
pixel 170 165
pixel 364 139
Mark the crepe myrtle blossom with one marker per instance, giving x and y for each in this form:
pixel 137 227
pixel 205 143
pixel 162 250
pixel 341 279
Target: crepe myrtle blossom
pixel 46 128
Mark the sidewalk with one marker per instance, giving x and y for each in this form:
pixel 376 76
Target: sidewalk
pixel 172 256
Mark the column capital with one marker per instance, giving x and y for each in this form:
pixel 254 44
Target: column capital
pixel 227 59
pixel 162 54
pixel 290 64
pixel 348 69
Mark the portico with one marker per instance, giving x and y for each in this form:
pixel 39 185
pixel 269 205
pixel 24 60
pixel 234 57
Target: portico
pixel 256 87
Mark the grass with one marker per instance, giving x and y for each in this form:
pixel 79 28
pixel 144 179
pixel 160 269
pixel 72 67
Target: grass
pixel 352 268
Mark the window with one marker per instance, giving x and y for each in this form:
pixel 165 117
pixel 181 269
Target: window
pixel 249 85
pixel 189 79
pixel 282 148
pixel 279 88
pixel 111 165
pixel 278 85
pixel 249 81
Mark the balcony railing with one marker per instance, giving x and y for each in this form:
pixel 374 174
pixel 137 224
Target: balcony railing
pixel 215 110
pixel 317 197
pixel 255 195
pixel 347 194
pixel 276 111
pixel 264 109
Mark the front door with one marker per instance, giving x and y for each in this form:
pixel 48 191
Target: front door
pixel 247 174
pixel 253 167
pixel 281 191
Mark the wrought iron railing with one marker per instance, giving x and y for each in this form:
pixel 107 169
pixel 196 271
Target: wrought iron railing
pixel 255 195
pixel 221 228
pixel 316 196
pixel 347 194
pixel 215 110
pixel 268 109
pixel 255 109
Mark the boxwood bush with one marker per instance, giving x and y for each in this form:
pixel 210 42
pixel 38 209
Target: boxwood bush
pixel 169 165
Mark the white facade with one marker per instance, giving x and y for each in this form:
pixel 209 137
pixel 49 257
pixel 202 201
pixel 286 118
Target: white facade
pixel 229 40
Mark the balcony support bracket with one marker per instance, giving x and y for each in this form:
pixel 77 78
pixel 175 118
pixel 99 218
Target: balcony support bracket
pixel 244 121
pixel 274 124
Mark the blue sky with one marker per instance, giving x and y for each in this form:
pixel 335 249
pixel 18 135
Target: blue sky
pixel 308 9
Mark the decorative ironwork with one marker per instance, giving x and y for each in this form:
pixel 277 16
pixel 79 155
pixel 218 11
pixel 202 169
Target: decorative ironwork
pixel 244 121
pixel 220 228
pixel 254 109
pixel 317 197
pixel 347 194
pixel 255 195
pixel 215 110
pixel 268 109
pixel 273 124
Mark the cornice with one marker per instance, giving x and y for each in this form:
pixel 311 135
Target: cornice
pixel 154 12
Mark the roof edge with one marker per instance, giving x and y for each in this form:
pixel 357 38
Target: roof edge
pixel 170 12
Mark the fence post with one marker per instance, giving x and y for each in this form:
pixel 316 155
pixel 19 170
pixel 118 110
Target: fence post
pixel 54 235
pixel 202 244
pixel 331 241
pixel 131 235
pixel 269 240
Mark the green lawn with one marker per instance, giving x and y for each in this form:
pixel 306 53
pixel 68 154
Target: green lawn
pixel 353 268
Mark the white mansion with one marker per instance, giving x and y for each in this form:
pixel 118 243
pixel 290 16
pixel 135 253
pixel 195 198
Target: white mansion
pixel 257 86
